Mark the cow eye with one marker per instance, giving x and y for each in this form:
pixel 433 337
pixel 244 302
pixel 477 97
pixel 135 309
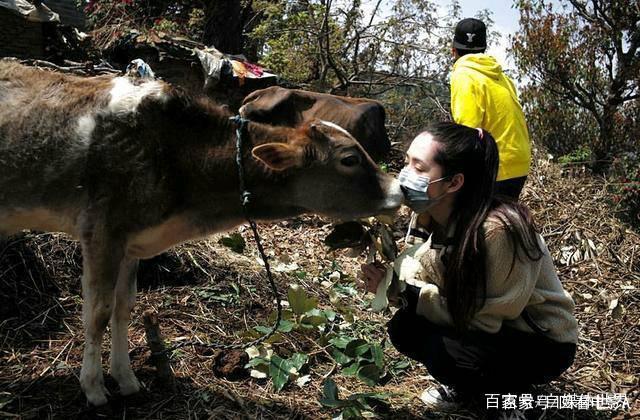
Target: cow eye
pixel 351 160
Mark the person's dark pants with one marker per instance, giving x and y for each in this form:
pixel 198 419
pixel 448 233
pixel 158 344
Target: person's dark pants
pixel 478 363
pixel 510 187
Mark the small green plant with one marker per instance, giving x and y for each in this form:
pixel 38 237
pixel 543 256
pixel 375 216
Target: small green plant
pixel 305 310
pixel 580 155
pixel 304 314
pixel 214 294
pixel 359 358
pixel 166 25
pixel 235 241
pixel 399 367
pixel 264 363
pixel 355 406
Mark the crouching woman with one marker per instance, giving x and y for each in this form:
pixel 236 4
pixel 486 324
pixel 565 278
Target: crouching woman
pixel 481 303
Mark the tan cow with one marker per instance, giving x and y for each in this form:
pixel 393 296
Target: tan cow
pixel 131 168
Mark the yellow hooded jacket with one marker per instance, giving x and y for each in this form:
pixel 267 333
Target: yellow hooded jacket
pixel 483 96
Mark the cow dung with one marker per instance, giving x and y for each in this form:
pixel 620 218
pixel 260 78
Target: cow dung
pixel 230 364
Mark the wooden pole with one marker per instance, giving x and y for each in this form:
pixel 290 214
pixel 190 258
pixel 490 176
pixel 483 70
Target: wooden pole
pixel 156 344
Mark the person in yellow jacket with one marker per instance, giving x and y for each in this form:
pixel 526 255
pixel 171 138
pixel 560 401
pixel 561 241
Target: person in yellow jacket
pixel 482 96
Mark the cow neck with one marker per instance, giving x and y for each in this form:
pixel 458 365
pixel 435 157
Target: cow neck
pixel 211 173
pixel 257 134
pixel 269 190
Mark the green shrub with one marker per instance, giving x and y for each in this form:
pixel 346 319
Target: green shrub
pixel 580 155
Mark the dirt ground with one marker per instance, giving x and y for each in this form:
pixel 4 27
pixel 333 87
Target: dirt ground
pixel 205 290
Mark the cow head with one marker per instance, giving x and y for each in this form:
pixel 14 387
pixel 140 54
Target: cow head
pixel 330 173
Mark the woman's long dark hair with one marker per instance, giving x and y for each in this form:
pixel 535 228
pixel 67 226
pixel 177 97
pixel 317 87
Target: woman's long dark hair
pixel 463 150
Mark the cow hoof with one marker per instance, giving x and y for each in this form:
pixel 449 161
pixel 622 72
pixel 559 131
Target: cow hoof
pixel 128 383
pixel 96 396
pixel 131 387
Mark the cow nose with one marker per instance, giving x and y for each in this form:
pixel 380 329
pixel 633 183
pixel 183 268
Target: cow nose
pixel 394 197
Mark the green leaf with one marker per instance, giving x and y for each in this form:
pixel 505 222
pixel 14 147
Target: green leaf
pixel 314 317
pixel 235 241
pixel 369 374
pixel 330 395
pixel 287 315
pixel 279 370
pixel 399 366
pixel 340 341
pixel 262 329
pixel 275 338
pixel 340 357
pixel 298 360
pixel 378 355
pixel 298 300
pixel 352 412
pixel 357 347
pixel 285 326
pixel 364 396
pixel 256 362
pixel 352 370
pixel 329 314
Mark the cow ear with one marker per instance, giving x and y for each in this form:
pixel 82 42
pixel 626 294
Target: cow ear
pixel 277 156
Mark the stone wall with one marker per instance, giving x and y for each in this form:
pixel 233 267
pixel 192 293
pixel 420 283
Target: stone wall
pixel 18 37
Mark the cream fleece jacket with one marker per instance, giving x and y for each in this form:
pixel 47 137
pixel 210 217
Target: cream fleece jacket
pixel 533 285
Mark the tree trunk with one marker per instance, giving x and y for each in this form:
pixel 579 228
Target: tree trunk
pixel 603 150
pixel 223 26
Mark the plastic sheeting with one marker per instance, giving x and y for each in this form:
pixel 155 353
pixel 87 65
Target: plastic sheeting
pixel 217 65
pixel 40 13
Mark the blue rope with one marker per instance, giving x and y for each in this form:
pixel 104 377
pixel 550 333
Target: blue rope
pixel 241 127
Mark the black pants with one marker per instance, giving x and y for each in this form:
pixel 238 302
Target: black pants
pixel 511 187
pixel 477 363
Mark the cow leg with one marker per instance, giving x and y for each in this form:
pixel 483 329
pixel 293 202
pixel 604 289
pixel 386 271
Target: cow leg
pixel 101 262
pixel 125 298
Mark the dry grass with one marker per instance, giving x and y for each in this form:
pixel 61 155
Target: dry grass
pixel 192 288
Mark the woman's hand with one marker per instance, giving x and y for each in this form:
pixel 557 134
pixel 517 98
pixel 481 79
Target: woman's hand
pixel 372 275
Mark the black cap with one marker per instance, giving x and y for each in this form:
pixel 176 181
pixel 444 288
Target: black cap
pixel 470 35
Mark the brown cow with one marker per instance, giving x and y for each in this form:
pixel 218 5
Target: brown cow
pixel 131 168
pixel 363 118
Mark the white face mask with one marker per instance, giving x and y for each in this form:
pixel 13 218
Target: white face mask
pixel 414 187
